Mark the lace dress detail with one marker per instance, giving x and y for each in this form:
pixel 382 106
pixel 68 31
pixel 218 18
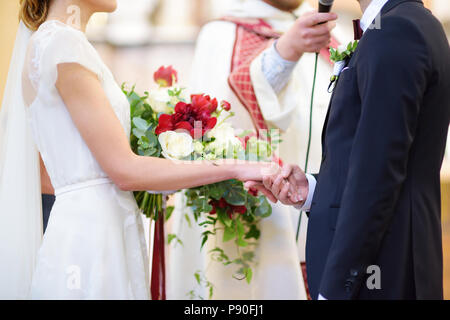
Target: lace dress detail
pixel 94 246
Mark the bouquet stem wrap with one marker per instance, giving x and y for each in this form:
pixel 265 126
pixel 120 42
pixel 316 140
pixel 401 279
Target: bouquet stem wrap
pixel 158 282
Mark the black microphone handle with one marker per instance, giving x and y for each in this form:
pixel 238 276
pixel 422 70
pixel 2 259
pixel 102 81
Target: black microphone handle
pixel 324 8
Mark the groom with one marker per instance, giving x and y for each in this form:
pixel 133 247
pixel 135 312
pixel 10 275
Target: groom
pixel 374 224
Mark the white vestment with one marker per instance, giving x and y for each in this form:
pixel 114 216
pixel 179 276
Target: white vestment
pixel 278 274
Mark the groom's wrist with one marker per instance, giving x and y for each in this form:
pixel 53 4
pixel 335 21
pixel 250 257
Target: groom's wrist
pixel 306 206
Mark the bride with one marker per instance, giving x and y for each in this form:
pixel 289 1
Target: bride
pixel 62 103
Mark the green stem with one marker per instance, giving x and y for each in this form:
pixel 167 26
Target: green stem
pixel 310 135
pixel 144 201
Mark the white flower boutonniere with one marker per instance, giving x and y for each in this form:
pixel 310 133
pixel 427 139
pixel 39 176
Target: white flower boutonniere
pixel 340 57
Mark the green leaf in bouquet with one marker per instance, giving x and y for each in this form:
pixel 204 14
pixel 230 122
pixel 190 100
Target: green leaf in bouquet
pixel 148 152
pixel 241 242
pixel 138 133
pixel 169 211
pixel 171 237
pixel 204 239
pixel 197 277
pixel 207 233
pixel 229 234
pixel 248 256
pixel 140 123
pixel 219 255
pixel 224 218
pixel 202 204
pixel 152 138
pixel 264 208
pixel 216 191
pixel 240 230
pixel 191 194
pixel 251 202
pixel 211 291
pixel 248 273
pixel 236 194
pixel 253 233
pixel 206 222
pixel 134 99
pixel 186 217
pixel 143 142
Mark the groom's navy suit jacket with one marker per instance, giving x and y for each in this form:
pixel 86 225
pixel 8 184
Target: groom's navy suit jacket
pixel 377 198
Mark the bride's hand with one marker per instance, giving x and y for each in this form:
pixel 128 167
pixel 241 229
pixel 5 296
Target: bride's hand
pixel 255 171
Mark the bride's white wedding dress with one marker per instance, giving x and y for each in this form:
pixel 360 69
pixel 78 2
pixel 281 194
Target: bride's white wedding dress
pixel 94 246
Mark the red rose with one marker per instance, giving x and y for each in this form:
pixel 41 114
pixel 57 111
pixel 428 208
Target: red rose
pixel 164 124
pixel 184 125
pixel 190 117
pixel 222 203
pixel 240 209
pixel 165 77
pixel 253 192
pixel 225 105
pixel 204 103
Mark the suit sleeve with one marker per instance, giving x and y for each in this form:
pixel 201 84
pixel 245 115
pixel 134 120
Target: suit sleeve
pixel 392 73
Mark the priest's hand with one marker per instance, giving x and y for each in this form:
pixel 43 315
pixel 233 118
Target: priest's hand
pixel 310 33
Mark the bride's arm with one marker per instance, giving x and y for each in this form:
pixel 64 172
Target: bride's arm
pixel 92 114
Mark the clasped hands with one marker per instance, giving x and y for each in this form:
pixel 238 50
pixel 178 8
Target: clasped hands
pixel 287 184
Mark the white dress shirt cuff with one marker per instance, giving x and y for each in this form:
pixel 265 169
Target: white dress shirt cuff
pixel 311 188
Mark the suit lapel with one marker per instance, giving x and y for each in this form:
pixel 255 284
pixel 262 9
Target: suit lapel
pixel 328 112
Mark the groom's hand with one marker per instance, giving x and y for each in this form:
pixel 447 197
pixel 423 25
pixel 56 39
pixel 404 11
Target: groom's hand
pixel 295 191
pixel 289 185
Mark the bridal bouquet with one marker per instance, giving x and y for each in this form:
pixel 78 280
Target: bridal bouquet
pixel 145 112
pixel 168 123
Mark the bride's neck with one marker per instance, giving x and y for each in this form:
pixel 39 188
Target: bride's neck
pixel 71 12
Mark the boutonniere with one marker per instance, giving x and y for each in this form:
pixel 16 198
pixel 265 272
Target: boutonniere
pixel 340 57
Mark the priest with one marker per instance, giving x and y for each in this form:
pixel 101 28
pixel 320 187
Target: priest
pixel 260 57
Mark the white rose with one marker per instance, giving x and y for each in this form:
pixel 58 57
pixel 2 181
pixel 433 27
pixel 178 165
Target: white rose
pixel 225 137
pixel 176 145
pixel 159 99
pixel 198 147
pixel 222 133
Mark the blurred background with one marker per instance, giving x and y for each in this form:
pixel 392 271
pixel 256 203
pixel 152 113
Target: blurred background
pixel 145 34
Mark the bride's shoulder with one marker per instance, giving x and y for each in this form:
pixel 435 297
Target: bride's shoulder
pixel 61 34
pixel 55 43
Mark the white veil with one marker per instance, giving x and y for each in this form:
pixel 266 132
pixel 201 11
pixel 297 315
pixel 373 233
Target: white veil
pixel 20 190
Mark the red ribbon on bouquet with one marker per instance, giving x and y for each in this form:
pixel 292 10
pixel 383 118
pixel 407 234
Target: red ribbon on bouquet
pixel 158 282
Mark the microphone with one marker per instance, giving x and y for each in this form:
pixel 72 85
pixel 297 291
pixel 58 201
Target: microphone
pixel 325 5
